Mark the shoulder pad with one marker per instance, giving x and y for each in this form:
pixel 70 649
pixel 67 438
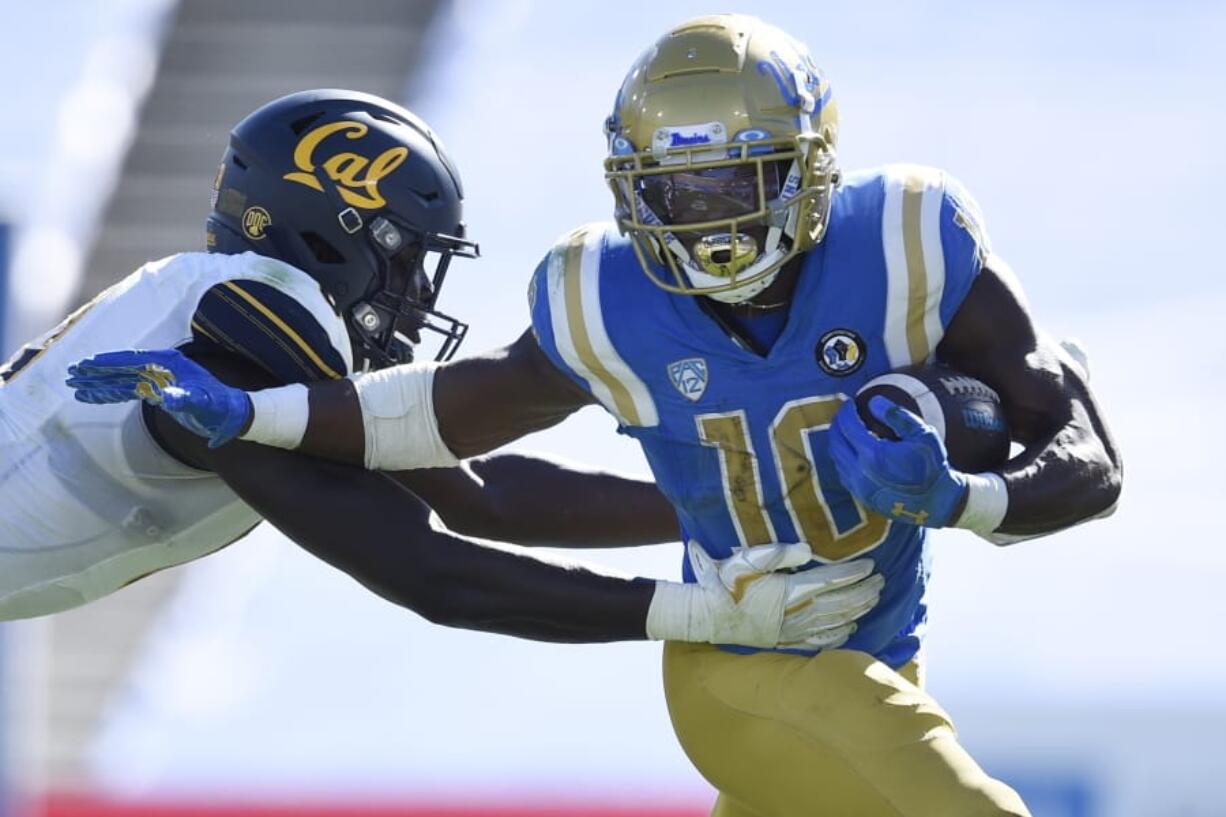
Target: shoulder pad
pixel 576 314
pixel 268 326
pixel 930 264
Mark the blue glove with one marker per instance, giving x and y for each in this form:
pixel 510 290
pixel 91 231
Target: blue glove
pixel 188 392
pixel 908 479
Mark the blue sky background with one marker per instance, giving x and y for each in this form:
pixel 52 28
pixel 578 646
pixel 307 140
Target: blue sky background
pixel 1090 134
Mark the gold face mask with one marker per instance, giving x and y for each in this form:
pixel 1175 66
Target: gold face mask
pixel 722 156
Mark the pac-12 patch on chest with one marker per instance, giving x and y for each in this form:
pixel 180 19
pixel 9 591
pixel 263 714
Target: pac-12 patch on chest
pixel 689 376
pixel 840 352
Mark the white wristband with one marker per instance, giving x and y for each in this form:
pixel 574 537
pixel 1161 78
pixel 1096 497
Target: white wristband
pixel 987 501
pixel 398 419
pixel 674 614
pixel 279 416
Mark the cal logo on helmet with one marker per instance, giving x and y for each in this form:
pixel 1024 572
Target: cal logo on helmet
pixel 357 177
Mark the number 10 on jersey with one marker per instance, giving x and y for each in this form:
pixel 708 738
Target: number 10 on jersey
pixel 797 441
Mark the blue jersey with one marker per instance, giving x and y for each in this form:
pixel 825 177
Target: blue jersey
pixel 737 440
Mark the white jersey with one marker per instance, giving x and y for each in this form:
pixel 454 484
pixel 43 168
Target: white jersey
pixel 88 500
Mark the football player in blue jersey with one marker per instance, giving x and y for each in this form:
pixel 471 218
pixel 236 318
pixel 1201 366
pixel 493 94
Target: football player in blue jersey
pixel 746 289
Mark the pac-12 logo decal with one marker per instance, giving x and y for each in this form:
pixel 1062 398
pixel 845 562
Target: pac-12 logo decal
pixel 255 222
pixel 840 352
pixel 689 376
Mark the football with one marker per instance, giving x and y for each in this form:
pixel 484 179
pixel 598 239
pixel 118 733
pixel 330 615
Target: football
pixel 965 411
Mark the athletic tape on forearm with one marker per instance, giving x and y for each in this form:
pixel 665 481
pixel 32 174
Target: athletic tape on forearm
pixel 279 416
pixel 398 419
pixel 987 501
pixel 674 614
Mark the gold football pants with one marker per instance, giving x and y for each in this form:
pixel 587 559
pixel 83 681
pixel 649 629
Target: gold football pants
pixel 839 734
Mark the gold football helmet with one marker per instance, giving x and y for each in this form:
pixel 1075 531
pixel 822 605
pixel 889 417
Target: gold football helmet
pixel 722 156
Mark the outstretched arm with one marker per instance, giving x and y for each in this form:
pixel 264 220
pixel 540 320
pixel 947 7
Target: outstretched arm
pixel 379 533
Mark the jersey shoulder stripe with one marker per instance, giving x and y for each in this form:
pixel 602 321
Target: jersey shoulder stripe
pixel 572 283
pixel 929 267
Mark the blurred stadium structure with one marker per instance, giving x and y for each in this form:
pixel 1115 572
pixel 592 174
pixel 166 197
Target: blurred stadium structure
pixel 258 682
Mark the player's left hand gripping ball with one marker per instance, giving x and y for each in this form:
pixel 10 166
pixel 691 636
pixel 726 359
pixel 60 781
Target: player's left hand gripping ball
pixel 187 391
pixel 908 479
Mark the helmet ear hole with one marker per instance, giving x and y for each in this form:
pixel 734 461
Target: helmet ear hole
pixel 324 252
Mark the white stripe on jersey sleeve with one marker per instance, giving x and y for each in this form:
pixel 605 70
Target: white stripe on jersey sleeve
pixel 897 296
pixel 934 259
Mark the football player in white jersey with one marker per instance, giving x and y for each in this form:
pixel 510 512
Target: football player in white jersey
pixel 335 218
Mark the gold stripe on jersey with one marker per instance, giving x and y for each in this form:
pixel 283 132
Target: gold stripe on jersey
pixel 259 322
pixel 917 271
pixel 915 262
pixel 284 327
pixel 198 328
pixel 801 483
pixel 729 435
pixel 577 321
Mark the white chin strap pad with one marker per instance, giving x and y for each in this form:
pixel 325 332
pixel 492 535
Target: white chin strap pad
pixel 739 294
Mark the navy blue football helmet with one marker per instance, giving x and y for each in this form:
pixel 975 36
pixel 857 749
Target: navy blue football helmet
pixel 358 193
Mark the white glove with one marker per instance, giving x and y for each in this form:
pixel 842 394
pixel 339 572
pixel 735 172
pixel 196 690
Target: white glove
pixel 743 600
